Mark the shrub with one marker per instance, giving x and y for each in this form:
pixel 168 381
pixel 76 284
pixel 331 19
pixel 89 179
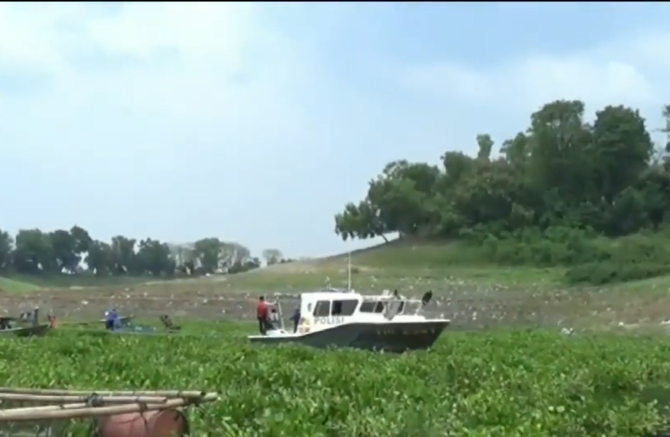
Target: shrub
pixel 589 259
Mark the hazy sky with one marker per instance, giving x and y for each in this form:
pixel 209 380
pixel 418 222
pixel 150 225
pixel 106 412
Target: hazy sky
pixel 256 123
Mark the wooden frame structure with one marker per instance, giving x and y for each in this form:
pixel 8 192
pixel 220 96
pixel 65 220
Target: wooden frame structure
pixel 51 410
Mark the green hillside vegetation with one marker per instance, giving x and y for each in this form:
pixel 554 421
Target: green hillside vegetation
pixel 17 286
pixel 34 258
pixel 589 198
pixel 19 283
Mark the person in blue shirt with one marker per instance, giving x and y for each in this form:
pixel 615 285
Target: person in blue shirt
pixel 295 318
pixel 111 319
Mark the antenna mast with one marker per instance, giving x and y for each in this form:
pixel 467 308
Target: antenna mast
pixel 349 272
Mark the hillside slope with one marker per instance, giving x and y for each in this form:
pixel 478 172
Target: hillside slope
pixel 637 259
pixel 398 263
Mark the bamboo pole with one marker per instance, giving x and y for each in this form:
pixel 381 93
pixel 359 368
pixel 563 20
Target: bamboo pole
pixel 53 407
pixel 42 413
pixel 80 398
pixel 65 392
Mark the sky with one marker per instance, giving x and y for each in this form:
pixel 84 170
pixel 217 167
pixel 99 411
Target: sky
pixel 256 123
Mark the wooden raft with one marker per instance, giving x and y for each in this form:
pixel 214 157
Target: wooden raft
pixel 75 404
pixel 44 412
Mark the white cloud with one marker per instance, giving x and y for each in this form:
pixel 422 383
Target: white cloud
pixel 152 112
pixel 156 100
pixel 180 63
pixel 631 71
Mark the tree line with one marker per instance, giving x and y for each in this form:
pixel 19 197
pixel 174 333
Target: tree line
pixel 74 251
pixel 549 196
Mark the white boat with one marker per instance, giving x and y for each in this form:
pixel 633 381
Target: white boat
pixel 340 318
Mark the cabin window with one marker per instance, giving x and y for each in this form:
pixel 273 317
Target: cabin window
pixel 372 307
pixel 322 308
pixel 344 307
pixel 401 307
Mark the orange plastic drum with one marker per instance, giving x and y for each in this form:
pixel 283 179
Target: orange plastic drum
pixel 167 423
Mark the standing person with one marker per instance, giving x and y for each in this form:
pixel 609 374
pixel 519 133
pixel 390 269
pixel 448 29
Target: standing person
pixel 274 323
pixel 295 318
pixel 111 319
pixel 262 315
pixel 52 320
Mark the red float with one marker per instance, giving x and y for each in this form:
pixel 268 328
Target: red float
pixel 165 423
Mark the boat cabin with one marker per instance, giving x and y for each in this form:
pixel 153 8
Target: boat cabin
pixel 7 322
pixel 326 308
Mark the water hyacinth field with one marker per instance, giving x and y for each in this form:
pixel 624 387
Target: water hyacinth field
pixel 505 383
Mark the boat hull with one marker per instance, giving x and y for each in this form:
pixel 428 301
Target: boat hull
pixel 388 337
pixel 26 331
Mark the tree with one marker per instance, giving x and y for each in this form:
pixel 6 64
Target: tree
pixel 242 266
pixel 561 171
pixel 82 239
pixel 209 252
pixel 560 152
pixel 516 150
pixel 33 252
pixel 124 256
pixel 360 221
pixel 272 256
pixel 235 253
pixel 622 149
pixel 100 258
pixel 153 258
pixel 64 250
pixel 184 257
pixel 485 144
pixel 6 247
pixel 74 252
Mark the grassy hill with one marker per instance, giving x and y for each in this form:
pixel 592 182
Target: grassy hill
pixel 401 264
pixel 411 263
pixel 16 286
pixel 395 264
pixel 405 264
pixel 26 283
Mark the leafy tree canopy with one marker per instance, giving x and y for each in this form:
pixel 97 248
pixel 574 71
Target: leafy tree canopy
pixel 74 251
pixel 604 178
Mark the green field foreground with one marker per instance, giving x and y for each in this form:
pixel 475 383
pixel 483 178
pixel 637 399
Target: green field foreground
pixel 498 384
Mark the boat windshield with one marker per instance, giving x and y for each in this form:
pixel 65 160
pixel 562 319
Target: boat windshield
pixel 413 306
pixel 379 306
pixel 344 307
pixel 372 307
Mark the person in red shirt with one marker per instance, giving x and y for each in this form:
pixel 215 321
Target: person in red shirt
pixel 262 314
